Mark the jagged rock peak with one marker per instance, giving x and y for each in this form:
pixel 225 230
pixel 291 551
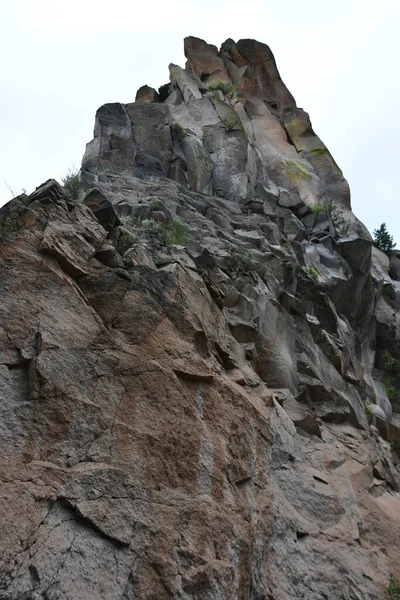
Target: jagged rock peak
pixel 226 125
pixel 249 65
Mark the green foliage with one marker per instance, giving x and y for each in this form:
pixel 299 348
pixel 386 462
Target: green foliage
pixel 150 225
pixel 392 376
pixel 389 361
pixel 395 445
pixel 140 224
pixel 24 199
pixel 383 240
pixel 179 131
pixel 335 214
pixel 288 246
pixel 312 271
pixel 11 220
pixel 243 262
pixel 240 261
pixel 227 88
pixel 10 223
pixel 126 239
pixel 72 184
pixel 128 221
pixel 175 233
pixel 392 591
pixel 318 209
pixel 367 411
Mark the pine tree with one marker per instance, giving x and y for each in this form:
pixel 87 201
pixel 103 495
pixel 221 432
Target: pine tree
pixel 383 240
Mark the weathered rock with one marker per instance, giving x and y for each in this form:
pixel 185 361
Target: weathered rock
pixel 182 397
pixel 48 193
pixel 298 126
pixel 108 255
pixel 203 60
pixel 301 417
pixel 147 94
pixel 152 137
pixel 198 163
pixel 267 81
pixel 102 208
pixel 112 149
pixel 187 84
pixel 229 176
pixel 395 266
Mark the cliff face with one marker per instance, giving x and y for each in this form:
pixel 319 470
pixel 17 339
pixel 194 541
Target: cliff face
pixel 187 357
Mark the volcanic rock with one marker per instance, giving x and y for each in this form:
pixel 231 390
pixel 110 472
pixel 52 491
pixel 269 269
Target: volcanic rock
pixel 194 388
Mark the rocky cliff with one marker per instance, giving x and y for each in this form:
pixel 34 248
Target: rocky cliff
pixel 196 359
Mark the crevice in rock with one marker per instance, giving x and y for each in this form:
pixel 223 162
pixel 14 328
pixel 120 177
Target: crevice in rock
pixel 71 507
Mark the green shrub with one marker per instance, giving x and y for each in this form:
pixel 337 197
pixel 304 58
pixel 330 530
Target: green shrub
pixel 72 184
pixel 175 233
pixel 367 411
pixel 126 239
pixel 179 131
pixel 392 376
pixel 226 87
pixel 338 221
pixel 128 221
pixel 318 209
pixel 392 391
pixel 392 591
pixel 242 261
pixel 150 225
pixel 312 271
pixel 10 223
pixel 139 224
pixel 395 445
pixel 289 248
pixel 24 198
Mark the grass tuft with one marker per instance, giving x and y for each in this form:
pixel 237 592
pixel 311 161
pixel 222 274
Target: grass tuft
pixel 226 87
pixel 72 184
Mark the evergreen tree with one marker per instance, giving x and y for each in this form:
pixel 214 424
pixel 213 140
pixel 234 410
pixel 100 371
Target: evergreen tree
pixel 383 240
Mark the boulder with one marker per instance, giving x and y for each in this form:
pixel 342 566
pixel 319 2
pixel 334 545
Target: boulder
pixel 203 60
pixel 147 94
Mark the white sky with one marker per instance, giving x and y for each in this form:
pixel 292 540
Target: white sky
pixel 60 61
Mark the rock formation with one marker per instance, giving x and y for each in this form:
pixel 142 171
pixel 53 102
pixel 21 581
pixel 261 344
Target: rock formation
pixel 195 360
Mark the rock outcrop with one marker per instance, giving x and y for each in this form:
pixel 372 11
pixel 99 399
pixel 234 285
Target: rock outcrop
pixel 196 359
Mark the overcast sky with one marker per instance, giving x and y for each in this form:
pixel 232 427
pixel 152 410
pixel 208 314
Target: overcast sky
pixel 60 61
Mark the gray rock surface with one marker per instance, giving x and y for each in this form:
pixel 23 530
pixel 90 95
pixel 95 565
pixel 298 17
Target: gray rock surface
pixel 198 372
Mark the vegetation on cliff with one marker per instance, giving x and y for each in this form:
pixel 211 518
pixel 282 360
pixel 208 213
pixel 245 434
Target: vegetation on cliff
pixel 383 240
